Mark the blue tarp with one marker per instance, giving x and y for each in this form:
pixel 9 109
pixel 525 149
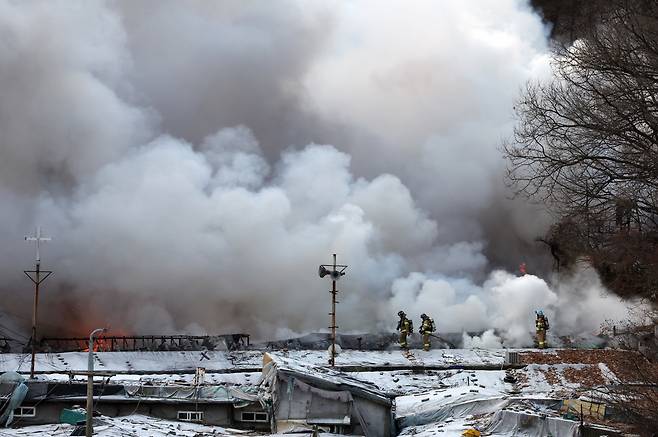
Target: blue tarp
pixel 16 398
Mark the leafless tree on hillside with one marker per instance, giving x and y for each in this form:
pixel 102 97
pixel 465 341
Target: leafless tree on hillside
pixel 586 144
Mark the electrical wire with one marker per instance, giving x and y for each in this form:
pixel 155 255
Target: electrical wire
pixel 45 397
pixel 13 332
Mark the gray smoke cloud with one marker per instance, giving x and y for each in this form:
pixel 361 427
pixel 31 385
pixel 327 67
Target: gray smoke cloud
pixel 195 161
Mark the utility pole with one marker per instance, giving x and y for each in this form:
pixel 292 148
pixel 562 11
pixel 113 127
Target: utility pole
pixel 337 270
pixel 37 278
pixel 89 426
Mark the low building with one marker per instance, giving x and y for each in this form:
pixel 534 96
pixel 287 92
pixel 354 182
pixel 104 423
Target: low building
pixel 206 404
pixel 300 396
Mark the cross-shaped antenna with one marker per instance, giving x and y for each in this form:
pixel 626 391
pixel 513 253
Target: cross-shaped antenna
pixel 37 276
pixel 38 238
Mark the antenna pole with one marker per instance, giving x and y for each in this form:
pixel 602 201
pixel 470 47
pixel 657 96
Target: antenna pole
pixel 37 279
pixel 333 317
pixel 37 274
pixel 337 270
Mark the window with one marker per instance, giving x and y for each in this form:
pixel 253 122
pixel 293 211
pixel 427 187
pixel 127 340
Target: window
pixel 250 416
pixel 336 429
pixel 190 416
pixel 25 412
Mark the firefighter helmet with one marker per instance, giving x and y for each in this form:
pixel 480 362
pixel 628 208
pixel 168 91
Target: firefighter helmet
pixel 424 316
pixel 401 313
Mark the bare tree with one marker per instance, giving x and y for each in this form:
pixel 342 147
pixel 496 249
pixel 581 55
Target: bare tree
pixel 586 143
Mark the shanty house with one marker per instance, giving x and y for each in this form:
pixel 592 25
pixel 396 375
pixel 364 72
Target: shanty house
pixel 165 384
pixel 301 396
pixel 44 403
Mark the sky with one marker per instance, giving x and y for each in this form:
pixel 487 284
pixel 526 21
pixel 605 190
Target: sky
pixel 194 162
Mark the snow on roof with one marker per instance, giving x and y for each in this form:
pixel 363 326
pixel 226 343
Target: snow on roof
pixel 506 423
pixel 238 361
pixel 449 427
pixel 226 379
pixel 399 358
pixel 323 377
pixel 559 380
pixel 134 362
pixel 440 404
pixel 600 365
pixel 406 382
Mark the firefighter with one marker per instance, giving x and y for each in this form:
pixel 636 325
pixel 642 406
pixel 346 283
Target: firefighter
pixel 541 324
pixel 426 328
pixel 406 327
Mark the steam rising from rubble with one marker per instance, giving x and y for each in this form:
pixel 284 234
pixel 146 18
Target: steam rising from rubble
pixel 172 151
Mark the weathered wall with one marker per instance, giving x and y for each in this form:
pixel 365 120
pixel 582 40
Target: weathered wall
pixel 259 426
pixel 49 412
pixel 299 402
pixel 377 417
pixel 213 414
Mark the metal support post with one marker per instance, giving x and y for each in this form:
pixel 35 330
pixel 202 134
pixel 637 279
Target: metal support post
pixel 89 426
pixel 333 318
pixel 336 272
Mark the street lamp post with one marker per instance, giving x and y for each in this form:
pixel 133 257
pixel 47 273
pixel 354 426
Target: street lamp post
pixel 89 427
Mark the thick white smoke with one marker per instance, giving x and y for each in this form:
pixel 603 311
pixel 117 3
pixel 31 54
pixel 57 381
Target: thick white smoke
pixel 172 151
pixel 506 304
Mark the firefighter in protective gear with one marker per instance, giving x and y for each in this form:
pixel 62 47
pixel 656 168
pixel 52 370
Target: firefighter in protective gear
pixel 541 325
pixel 426 328
pixel 406 327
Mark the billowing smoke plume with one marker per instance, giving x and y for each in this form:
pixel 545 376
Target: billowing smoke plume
pixel 196 161
pixel 504 305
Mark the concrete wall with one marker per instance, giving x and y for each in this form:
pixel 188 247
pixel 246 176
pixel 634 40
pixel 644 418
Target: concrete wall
pixel 46 412
pixel 255 407
pixel 213 414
